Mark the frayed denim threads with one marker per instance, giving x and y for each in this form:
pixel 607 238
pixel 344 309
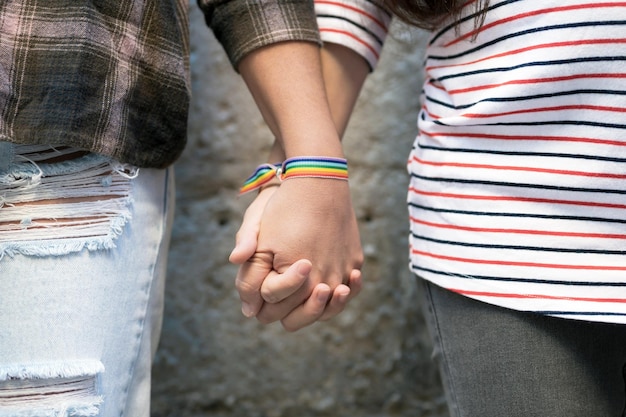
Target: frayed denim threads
pixel 51 205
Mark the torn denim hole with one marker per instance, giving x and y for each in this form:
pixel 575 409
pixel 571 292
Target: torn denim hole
pixel 50 390
pixel 54 201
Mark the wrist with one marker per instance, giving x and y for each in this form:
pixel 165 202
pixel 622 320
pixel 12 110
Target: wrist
pixel 320 143
pixel 321 167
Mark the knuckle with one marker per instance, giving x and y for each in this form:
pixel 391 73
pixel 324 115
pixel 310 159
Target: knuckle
pixel 269 314
pixel 359 261
pixel 245 287
pixel 265 318
pixel 269 295
pixel 291 328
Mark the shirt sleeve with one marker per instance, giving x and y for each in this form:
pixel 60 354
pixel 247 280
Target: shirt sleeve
pixel 360 25
pixel 242 26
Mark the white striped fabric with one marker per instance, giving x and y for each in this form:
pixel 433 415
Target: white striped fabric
pixel 357 24
pixel 518 175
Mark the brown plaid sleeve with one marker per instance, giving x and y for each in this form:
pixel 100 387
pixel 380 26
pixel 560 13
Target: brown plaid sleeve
pixel 244 25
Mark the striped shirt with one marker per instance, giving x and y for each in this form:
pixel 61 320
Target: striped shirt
pixel 517 194
pixel 360 25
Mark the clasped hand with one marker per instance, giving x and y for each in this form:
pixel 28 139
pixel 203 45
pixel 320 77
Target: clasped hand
pixel 299 253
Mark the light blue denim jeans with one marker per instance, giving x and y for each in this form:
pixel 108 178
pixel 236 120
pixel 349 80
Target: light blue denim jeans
pixel 498 362
pixel 81 282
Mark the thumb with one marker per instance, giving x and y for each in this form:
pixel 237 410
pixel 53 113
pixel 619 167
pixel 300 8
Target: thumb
pixel 276 287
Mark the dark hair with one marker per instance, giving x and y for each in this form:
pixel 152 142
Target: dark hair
pixel 429 14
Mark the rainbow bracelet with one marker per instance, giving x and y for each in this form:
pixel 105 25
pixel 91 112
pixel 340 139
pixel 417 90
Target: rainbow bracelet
pixel 300 167
pixel 261 176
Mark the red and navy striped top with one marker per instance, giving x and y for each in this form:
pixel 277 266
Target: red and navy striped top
pixel 357 24
pixel 518 174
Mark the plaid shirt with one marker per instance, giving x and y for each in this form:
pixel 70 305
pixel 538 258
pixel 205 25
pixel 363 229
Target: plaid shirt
pixel 112 77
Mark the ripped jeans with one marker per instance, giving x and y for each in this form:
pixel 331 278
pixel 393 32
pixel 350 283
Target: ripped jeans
pixel 83 246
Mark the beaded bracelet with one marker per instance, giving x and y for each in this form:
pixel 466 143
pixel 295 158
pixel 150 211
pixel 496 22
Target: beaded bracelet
pixel 300 167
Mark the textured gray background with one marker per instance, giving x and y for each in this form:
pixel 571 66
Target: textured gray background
pixel 373 359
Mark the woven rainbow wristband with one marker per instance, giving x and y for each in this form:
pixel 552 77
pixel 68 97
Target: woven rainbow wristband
pixel 300 167
pixel 315 167
pixel 261 176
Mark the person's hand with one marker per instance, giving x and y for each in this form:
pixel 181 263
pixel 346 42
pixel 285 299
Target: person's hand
pixel 317 307
pixel 255 269
pixel 313 219
pixel 308 224
pixel 275 280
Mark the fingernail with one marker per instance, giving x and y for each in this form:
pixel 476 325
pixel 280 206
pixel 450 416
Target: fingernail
pixel 247 310
pixel 322 296
pixel 343 294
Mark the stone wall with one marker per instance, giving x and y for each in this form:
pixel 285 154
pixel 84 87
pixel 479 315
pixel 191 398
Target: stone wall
pixel 373 359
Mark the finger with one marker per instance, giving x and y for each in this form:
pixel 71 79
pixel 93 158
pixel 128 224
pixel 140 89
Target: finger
pixel 249 279
pixel 342 295
pixel 337 303
pixel 247 236
pixel 277 287
pixel 309 312
pixel 355 283
pixel 245 246
pixel 270 313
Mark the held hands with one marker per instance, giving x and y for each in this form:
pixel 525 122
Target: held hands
pixel 299 246
pixel 300 253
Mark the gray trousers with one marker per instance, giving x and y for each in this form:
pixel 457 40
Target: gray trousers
pixel 498 362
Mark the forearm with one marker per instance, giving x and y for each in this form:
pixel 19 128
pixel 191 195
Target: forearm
pixel 277 223
pixel 344 73
pixel 286 82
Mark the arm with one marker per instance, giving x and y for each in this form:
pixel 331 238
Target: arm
pixel 233 22
pixel 305 218
pixel 351 41
pixel 242 27
pixel 343 74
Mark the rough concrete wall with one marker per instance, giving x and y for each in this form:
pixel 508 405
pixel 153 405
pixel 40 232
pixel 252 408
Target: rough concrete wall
pixel 373 359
